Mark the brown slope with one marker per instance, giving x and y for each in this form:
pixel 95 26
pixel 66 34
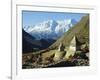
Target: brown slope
pixel 80 30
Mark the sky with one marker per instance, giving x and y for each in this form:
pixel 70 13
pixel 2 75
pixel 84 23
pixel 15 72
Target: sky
pixel 30 18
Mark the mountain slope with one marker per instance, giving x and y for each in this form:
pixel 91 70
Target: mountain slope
pixel 29 43
pixel 80 30
pixel 26 42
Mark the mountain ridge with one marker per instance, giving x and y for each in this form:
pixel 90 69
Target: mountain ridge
pixel 50 29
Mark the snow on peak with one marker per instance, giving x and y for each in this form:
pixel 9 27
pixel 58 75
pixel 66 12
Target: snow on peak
pixel 50 29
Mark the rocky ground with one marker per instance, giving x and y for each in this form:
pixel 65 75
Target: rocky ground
pixel 44 59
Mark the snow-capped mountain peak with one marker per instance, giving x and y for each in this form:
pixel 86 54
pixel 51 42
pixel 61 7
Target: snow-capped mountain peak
pixel 50 29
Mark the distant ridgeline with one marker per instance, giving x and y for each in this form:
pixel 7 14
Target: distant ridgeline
pixel 50 29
